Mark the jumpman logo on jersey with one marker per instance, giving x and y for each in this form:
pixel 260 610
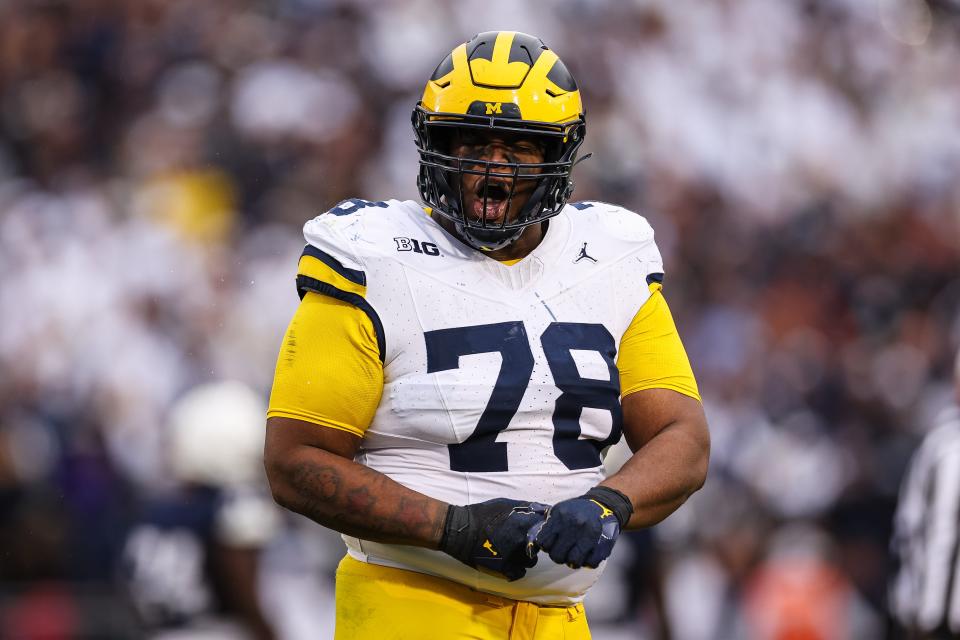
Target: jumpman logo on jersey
pixel 583 254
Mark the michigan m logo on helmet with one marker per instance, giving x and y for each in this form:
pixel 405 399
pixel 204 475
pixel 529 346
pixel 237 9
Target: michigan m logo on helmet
pixel 507 83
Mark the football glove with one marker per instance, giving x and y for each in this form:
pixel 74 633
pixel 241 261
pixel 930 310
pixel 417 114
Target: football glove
pixel 581 532
pixel 491 536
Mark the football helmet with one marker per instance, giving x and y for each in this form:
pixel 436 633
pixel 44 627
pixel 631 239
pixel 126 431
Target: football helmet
pixel 216 434
pixel 508 83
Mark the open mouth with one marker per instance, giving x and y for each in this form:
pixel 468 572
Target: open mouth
pixel 491 201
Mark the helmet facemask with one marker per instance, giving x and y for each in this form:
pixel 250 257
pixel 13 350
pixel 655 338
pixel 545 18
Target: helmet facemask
pixel 441 174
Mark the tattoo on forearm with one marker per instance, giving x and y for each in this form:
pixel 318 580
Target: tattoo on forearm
pixel 416 516
pixel 360 501
pixel 327 481
pixel 368 507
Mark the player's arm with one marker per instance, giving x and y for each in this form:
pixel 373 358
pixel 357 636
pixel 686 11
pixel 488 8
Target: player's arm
pixel 667 431
pixel 665 427
pixel 663 419
pixel 327 386
pixel 312 472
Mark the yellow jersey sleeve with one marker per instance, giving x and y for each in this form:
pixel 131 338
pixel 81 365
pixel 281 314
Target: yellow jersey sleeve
pixel 330 368
pixel 651 354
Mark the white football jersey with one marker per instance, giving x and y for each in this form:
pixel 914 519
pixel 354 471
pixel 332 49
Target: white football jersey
pixel 499 381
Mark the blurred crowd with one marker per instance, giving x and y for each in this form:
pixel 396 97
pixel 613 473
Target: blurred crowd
pixel 798 161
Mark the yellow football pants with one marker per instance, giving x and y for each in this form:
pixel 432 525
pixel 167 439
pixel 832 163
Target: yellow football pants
pixel 383 603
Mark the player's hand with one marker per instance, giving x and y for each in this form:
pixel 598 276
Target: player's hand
pixel 492 536
pixel 581 532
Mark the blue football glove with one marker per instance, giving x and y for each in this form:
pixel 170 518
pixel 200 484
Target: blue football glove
pixel 491 536
pixel 581 532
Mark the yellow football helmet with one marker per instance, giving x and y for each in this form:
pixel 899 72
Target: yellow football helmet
pixel 509 83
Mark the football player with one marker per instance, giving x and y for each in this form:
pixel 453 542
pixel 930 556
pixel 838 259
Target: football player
pixel 457 368
pixel 190 563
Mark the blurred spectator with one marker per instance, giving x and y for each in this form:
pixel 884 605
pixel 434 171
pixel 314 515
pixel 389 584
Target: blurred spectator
pixel 797 593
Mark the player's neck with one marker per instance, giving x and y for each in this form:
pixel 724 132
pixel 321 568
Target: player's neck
pixel 529 240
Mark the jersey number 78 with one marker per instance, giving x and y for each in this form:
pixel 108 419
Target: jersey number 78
pixel 481 452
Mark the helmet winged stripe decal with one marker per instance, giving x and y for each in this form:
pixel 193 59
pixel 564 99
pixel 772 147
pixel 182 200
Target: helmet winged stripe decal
pixel 496 70
pixel 525 48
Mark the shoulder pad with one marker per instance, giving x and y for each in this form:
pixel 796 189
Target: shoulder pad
pixel 343 229
pixel 336 244
pixel 623 231
pixel 620 222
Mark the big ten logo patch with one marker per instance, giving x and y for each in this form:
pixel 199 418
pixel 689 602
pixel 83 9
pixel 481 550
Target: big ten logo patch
pixel 409 244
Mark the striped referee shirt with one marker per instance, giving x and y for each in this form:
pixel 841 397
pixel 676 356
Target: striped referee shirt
pixel 925 594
